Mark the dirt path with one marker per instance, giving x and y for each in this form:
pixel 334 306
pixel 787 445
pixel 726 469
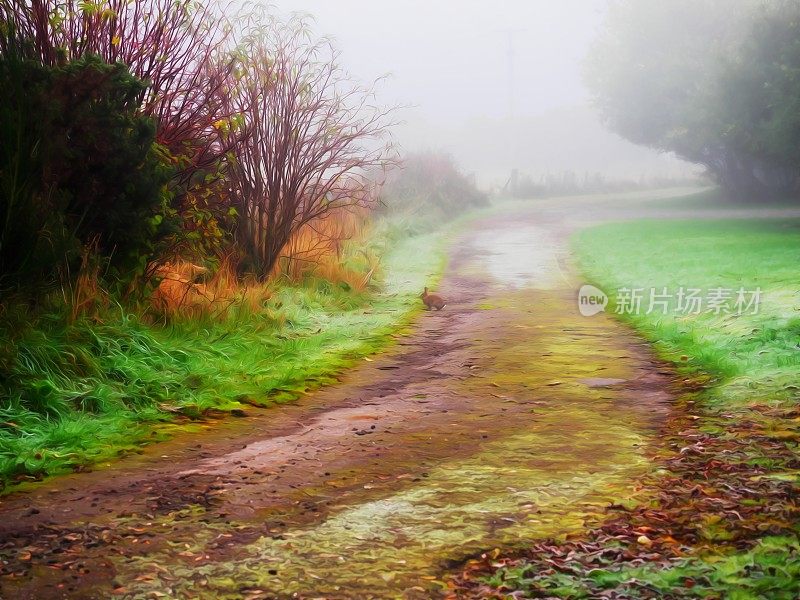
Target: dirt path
pixel 505 417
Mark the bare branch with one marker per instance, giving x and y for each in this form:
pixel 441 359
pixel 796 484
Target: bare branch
pixel 309 139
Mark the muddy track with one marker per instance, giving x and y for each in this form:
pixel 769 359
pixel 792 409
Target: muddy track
pixel 505 417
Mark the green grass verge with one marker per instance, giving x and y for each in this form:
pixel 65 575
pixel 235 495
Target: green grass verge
pixel 754 358
pixel 77 393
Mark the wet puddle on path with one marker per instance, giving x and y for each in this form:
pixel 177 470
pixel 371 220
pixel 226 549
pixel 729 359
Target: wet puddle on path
pixel 519 257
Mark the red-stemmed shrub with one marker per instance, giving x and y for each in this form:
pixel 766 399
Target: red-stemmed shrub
pixel 308 139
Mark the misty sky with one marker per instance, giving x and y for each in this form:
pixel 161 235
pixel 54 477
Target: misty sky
pixel 449 60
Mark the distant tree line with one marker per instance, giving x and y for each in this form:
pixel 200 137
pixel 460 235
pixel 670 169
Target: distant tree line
pixel 717 82
pixel 565 183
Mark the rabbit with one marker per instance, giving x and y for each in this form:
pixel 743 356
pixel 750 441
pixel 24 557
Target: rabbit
pixel 432 300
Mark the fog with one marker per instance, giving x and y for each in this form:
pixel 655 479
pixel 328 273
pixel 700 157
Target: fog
pixel 497 85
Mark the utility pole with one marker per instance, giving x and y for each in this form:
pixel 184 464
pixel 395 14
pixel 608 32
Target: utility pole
pixel 510 58
pixel 512 183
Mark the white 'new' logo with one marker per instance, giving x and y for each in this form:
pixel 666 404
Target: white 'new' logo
pixel 591 300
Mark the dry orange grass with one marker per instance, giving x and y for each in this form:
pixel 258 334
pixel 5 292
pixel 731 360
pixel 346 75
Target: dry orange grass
pixel 318 249
pixel 186 290
pixel 181 292
pixel 85 296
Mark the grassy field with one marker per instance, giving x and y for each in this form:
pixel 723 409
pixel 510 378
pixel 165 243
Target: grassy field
pixel 753 358
pixel 79 392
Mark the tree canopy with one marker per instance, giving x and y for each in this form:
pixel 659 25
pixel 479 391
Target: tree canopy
pixel 715 82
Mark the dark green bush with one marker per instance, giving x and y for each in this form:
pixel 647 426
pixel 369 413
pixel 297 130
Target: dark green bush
pixel 78 166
